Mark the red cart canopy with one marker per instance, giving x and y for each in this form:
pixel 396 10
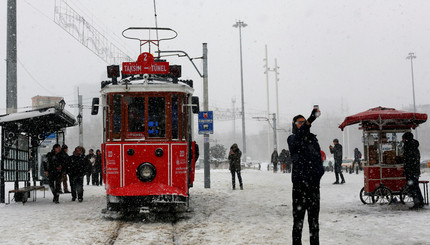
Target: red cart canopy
pixel 385 118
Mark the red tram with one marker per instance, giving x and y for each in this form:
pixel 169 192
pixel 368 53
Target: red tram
pixel 148 149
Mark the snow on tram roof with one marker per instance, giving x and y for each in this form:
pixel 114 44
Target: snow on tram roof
pixel 141 85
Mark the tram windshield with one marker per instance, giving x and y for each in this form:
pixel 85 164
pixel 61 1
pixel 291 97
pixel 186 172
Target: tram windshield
pixel 146 116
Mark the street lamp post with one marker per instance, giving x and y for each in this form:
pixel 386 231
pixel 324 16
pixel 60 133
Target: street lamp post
pixel 412 56
pixel 239 24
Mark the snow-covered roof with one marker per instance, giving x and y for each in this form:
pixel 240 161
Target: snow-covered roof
pixel 62 117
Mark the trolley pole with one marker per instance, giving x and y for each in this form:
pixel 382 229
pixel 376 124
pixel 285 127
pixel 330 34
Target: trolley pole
pixel 207 173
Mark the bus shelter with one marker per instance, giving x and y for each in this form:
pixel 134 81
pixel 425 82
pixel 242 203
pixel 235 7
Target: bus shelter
pixel 21 135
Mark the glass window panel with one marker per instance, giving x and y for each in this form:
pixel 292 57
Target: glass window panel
pixel 117 116
pixel 175 117
pixel 136 116
pixel 156 117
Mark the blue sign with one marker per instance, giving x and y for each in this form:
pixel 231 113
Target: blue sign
pixel 206 122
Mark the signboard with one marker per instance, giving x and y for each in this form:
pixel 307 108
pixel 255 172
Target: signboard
pixel 145 65
pixel 206 124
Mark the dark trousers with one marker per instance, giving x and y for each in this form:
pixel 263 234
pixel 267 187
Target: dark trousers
pixel 97 178
pixel 77 186
pixel 338 171
pixel 233 178
pixel 353 167
pixel 306 198
pixel 55 184
pixel 414 189
pixel 88 177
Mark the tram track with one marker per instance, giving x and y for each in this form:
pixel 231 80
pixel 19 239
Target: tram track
pixel 112 238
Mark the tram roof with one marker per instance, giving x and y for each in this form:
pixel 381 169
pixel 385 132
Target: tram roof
pixel 147 86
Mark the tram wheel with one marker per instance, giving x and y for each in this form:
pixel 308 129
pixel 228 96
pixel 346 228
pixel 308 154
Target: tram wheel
pixel 382 195
pixel 365 198
pixel 405 195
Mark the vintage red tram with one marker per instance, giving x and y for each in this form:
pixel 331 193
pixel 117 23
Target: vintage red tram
pixel 148 149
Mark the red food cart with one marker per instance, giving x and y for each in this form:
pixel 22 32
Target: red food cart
pixel 383 152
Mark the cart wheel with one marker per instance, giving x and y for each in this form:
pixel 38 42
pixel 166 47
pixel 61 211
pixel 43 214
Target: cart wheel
pixel 382 195
pixel 405 195
pixel 365 198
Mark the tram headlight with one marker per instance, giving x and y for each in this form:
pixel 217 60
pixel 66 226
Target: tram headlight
pixel 146 172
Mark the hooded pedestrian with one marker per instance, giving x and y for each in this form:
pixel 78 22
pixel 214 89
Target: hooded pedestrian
pixel 274 160
pixel 306 175
pixel 234 157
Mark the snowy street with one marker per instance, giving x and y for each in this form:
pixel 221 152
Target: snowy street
pixel 260 214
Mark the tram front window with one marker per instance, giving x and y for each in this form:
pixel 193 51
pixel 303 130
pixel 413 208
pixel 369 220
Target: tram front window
pixel 136 117
pixel 156 117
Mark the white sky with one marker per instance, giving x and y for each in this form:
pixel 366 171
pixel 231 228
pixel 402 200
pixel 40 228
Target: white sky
pixel 325 49
pixel 331 53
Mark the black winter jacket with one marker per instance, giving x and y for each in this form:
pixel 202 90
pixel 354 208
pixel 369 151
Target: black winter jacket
pixel 54 163
pixel 77 166
pixel 412 158
pixel 306 157
pixel 337 153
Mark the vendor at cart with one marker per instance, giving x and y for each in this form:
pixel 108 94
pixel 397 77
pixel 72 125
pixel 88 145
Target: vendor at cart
pixel 412 168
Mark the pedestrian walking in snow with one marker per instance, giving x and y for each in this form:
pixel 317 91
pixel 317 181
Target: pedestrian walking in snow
pixel 53 170
pixel 283 160
pixel 234 157
pixel 274 160
pixel 306 175
pixel 91 159
pixel 289 161
pixel 336 150
pixel 65 161
pixel 76 170
pixel 357 160
pixel 411 169
pixel 98 168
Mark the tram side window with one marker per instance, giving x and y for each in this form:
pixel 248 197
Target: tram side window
pixel 116 116
pixel 136 115
pixel 175 117
pixel 184 117
pixel 156 117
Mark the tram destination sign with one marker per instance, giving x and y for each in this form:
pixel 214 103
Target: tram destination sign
pixel 145 64
pixel 206 122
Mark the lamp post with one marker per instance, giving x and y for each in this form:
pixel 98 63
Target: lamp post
pixel 412 56
pixel 81 140
pixel 240 24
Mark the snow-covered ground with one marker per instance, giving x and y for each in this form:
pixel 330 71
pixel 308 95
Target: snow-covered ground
pixel 260 214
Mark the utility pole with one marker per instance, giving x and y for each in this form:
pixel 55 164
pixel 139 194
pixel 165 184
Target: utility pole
pixel 207 173
pixel 239 24
pixel 267 69
pixel 277 97
pixel 11 59
pixel 275 138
